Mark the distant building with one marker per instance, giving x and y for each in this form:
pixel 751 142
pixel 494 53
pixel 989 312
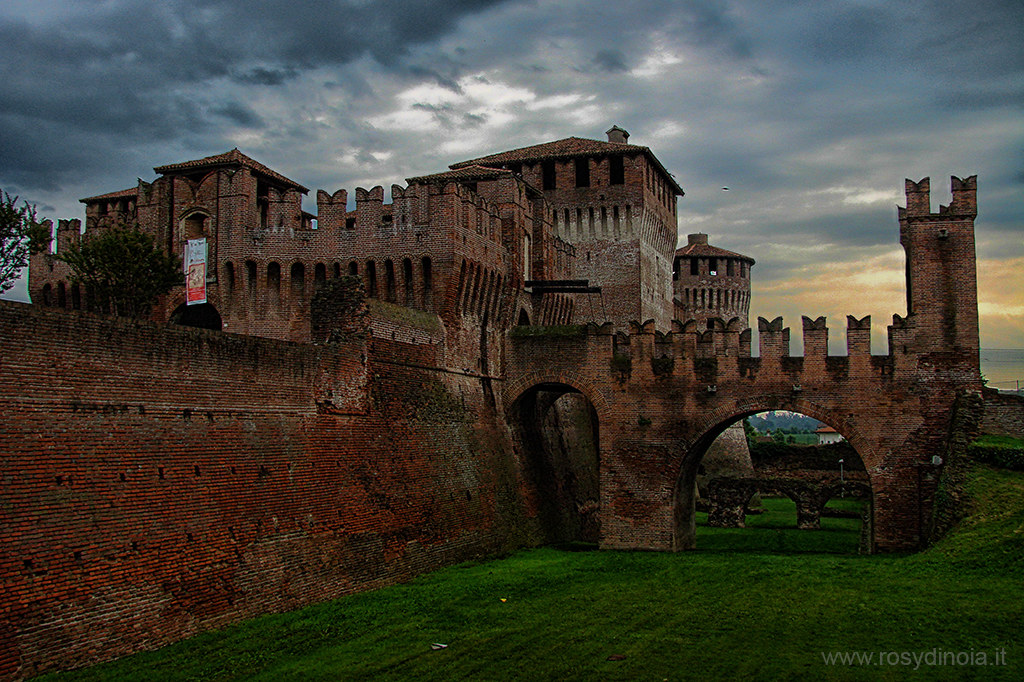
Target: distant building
pixel 827 435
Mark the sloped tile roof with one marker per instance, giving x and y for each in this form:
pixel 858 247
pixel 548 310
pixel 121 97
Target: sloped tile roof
pixel 463 173
pixel 567 148
pixel 708 251
pixel 120 194
pixel 233 157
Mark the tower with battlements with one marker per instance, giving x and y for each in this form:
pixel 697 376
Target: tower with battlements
pixel 709 282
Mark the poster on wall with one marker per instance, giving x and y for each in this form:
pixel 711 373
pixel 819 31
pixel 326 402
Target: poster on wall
pixel 195 271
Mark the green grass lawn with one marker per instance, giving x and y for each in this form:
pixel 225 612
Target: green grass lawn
pixel 759 603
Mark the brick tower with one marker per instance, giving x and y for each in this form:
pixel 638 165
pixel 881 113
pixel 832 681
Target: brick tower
pixel 616 204
pixel 710 282
pixel 942 291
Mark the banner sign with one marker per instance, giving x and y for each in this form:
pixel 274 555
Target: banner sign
pixel 195 271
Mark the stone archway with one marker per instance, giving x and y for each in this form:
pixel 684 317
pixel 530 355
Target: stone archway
pixel 810 499
pixel 556 431
pixel 202 316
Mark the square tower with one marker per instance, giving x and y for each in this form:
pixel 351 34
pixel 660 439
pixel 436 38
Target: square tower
pixel 614 202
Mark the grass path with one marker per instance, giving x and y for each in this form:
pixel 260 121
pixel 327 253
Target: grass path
pixel 757 604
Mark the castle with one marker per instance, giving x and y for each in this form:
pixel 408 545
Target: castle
pixel 511 352
pixel 506 239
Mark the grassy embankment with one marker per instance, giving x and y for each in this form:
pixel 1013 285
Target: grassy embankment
pixel 763 603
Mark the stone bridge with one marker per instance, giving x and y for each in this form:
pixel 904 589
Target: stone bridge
pixel 662 397
pixel 728 496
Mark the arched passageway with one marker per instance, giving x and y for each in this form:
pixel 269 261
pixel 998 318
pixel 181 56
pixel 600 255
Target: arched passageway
pixel 807 472
pixel 203 316
pixel 556 429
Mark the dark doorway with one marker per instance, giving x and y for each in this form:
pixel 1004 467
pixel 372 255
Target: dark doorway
pixel 203 316
pixel 557 429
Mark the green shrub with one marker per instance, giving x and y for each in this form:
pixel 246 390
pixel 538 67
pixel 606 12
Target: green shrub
pixel 1000 451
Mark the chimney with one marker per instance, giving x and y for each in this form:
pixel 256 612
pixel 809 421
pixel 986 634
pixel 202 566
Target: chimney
pixel 698 238
pixel 617 134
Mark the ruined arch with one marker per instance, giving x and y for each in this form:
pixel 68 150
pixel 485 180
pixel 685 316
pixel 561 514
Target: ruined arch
pixel 710 425
pixel 195 224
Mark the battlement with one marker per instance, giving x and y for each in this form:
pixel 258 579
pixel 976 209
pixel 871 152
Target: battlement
pixel 964 202
pixel 730 338
pixel 411 207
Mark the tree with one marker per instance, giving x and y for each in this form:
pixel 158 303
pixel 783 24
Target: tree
pixel 20 237
pixel 124 269
pixel 750 433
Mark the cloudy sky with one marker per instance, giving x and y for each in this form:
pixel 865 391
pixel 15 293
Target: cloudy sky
pixel 811 113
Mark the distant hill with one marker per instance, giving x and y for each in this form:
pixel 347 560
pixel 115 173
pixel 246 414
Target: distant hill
pixel 787 422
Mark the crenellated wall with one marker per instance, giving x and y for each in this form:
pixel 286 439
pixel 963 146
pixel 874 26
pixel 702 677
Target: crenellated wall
pixel 662 398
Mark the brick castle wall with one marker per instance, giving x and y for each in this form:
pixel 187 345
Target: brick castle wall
pixel 159 481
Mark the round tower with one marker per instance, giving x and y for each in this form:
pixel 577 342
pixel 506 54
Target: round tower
pixel 710 282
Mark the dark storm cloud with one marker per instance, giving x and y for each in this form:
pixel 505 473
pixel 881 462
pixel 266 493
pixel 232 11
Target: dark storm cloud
pixel 261 76
pixel 107 74
pixel 610 60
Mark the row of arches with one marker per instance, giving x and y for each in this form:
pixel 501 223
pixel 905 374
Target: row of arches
pixel 710 267
pixel 599 222
pixel 558 427
pixel 555 310
pixel 479 291
pixel 74 296
pixel 716 299
pixel 409 282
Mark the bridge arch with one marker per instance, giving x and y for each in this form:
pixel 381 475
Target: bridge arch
pixel 556 428
pixel 713 423
pixel 515 389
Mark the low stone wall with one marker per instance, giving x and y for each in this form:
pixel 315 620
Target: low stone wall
pixel 1004 414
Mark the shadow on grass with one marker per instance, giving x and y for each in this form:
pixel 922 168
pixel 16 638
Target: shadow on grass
pixel 575 546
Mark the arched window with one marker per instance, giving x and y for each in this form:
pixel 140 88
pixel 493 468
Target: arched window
pixel 47 294
pixel 389 280
pixel 229 276
pixel 319 275
pixel 428 281
pixel 371 279
pixel 298 280
pixel 353 269
pixel 274 276
pixel 250 275
pixel 62 301
pixel 194 225
pixel 407 280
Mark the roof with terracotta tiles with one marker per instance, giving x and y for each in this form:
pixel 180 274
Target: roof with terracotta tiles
pixel 120 194
pixel 463 173
pixel 568 148
pixel 231 158
pixel 708 251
